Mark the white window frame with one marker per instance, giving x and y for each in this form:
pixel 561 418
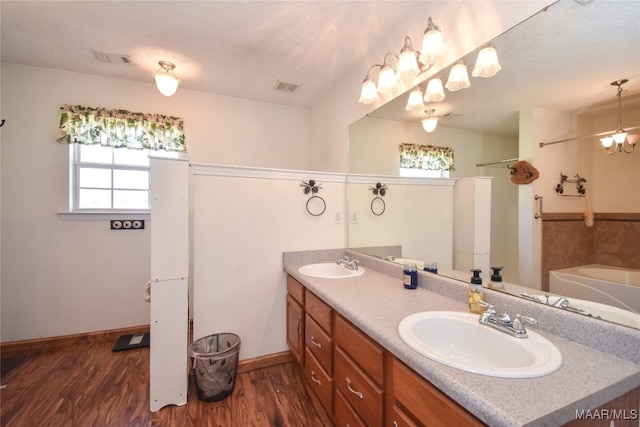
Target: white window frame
pixel 105 213
pixel 423 173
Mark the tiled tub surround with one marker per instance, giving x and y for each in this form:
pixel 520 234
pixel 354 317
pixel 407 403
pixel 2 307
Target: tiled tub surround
pixel 567 242
pixel 600 360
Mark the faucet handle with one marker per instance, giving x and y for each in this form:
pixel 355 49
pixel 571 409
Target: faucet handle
pixel 520 320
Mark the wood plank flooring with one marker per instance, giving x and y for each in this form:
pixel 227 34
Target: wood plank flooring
pixel 86 384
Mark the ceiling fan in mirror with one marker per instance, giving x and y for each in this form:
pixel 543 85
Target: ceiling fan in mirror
pixel 616 141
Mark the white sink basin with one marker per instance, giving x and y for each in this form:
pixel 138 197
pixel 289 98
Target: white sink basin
pixel 329 270
pixel 458 340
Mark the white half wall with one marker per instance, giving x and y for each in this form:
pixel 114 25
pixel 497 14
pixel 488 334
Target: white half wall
pixel 244 219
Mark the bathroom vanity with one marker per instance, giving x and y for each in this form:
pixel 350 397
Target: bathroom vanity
pixel 343 333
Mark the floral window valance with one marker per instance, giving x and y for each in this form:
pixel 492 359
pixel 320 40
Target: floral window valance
pixel 428 157
pixel 120 128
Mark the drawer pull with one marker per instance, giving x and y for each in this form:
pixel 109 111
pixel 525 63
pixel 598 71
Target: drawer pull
pixel 357 393
pixel 314 342
pixel 298 324
pixel 314 379
pixel 395 424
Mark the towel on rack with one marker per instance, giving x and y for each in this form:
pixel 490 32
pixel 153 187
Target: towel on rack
pixel 523 172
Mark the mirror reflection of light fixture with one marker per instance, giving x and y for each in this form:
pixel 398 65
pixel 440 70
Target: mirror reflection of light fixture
pixel 433 47
pixel 166 81
pixel 487 64
pixel 430 123
pixel 458 77
pixel 415 102
pixel 408 62
pixel 435 91
pixel 620 135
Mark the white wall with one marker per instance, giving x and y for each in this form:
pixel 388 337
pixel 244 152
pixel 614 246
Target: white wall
pixel 243 221
pixel 65 277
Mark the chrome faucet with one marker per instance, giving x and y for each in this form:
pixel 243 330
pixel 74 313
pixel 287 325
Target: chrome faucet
pixel 350 263
pixel 503 322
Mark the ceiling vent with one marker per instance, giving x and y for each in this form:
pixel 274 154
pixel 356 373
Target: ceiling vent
pixel 112 58
pixel 286 86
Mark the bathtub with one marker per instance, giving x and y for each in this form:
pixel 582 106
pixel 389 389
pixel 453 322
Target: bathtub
pixel 614 286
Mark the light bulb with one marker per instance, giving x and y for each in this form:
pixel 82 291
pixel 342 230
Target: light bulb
pixel 407 64
pixel 619 137
pixel 415 102
pixel 429 124
pixel 458 77
pixel 433 47
pixel 369 93
pixel 166 81
pixel 607 141
pixel 386 80
pixel 487 64
pixel 435 91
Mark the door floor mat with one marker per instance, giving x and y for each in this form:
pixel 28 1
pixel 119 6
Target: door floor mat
pixel 129 342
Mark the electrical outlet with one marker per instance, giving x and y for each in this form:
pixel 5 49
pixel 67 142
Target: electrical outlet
pixel 353 216
pixel 337 217
pixel 127 224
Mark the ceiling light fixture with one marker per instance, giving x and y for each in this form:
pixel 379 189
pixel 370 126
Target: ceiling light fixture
pixel 166 81
pixel 487 64
pixel 435 91
pixel 622 144
pixel 458 77
pixel 430 123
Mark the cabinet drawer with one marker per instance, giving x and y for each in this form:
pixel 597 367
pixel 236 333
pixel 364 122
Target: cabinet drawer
pixel 400 419
pixel 295 289
pixel 428 404
pixel 364 351
pixel 319 342
pixel 319 310
pixel 364 395
pixel 344 414
pixel 319 381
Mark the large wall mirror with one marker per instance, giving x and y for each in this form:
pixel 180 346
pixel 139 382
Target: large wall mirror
pixel 555 84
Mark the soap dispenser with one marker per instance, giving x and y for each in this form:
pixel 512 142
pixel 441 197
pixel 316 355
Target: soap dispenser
pixel 476 293
pixel 496 279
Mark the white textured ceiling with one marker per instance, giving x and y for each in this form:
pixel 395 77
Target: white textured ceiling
pixel 234 48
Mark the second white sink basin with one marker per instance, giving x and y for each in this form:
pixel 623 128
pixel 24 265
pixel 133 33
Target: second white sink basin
pixel 458 340
pixel 329 270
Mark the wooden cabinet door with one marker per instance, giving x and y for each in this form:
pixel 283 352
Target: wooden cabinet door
pixel 295 330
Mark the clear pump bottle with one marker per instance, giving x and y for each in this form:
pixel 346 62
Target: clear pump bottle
pixel 476 293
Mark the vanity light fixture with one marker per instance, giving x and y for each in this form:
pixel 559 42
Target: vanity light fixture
pixel 433 47
pixel 622 143
pixel 458 77
pixel 408 62
pixel 430 123
pixel 166 81
pixel 487 64
pixel 435 91
pixel 387 81
pixel 415 102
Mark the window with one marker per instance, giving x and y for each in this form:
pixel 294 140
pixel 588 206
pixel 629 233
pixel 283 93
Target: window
pixel 107 178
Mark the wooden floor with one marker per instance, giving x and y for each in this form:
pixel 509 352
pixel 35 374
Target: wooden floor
pixel 86 384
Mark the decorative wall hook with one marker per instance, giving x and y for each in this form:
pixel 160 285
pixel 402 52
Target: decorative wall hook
pixel 377 204
pixel 315 202
pixel 578 181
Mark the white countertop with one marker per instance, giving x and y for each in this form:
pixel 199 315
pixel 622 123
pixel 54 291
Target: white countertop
pixel 376 302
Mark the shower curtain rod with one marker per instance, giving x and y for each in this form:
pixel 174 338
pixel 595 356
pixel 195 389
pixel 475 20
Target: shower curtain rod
pixel 498 162
pixel 559 141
